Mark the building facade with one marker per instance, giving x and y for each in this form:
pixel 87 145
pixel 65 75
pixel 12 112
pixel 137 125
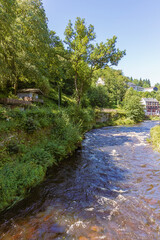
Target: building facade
pixel 141 89
pixel 135 87
pixel 150 89
pixel 151 106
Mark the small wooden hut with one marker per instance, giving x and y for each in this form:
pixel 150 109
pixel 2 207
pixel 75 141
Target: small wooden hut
pixel 26 98
pixel 30 94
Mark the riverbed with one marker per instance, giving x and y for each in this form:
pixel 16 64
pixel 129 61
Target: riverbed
pixel 109 189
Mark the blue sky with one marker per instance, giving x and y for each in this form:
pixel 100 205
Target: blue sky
pixel 136 23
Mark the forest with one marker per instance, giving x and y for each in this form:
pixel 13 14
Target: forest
pixel 32 56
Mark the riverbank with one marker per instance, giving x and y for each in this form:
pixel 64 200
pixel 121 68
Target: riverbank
pixel 155 137
pixel 112 117
pixel 35 139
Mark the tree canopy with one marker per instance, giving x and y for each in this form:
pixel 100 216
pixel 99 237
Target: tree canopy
pixel 85 57
pixel 34 56
pixel 145 83
pixel 115 84
pixel 25 45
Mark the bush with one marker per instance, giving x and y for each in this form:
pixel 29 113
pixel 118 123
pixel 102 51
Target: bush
pixel 135 110
pixel 38 113
pixel 124 121
pixel 3 114
pixel 83 117
pixel 155 136
pixel 98 96
pixel 39 156
pixel 30 125
pixel 12 147
pixel 16 179
pixel 56 149
pixel 30 119
pixel 16 114
pixel 65 131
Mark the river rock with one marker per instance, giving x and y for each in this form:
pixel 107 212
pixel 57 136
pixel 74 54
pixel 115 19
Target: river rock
pixel 83 238
pixel 55 228
pixel 97 228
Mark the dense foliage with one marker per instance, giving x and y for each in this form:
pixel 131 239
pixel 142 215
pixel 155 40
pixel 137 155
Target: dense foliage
pixel 33 140
pixel 25 47
pixel 115 84
pixel 133 106
pixel 33 56
pixel 135 109
pixel 98 96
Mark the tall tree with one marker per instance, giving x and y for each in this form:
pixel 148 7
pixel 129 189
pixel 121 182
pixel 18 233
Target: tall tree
pixel 7 19
pixel 60 69
pixel 27 45
pixel 85 57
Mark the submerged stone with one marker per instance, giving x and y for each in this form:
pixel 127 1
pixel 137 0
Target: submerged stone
pixel 55 228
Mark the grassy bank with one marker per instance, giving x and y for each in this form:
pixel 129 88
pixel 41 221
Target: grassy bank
pixel 155 137
pixel 33 140
pixel 112 117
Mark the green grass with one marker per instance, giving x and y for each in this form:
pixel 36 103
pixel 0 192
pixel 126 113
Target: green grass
pixel 154 118
pixel 155 137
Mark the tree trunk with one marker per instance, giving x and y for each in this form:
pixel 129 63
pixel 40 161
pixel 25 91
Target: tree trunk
pixel 75 82
pixel 15 87
pixel 59 96
pixel 76 89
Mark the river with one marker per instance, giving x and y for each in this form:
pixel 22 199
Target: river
pixel 109 189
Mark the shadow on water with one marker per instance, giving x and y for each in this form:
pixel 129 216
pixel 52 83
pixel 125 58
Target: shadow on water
pixel 79 181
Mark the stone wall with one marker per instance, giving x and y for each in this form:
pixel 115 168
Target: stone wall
pixel 106 115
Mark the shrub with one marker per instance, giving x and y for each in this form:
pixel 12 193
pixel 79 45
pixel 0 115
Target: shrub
pixel 65 131
pixel 39 156
pixel 83 117
pixel 3 114
pixel 56 149
pixel 135 110
pixel 30 125
pixel 155 136
pixel 98 96
pixel 16 114
pixel 16 179
pixel 7 126
pixel 124 121
pixel 12 147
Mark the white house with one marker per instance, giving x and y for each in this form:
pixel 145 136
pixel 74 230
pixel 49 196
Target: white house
pixel 100 81
pixel 135 87
pixel 150 89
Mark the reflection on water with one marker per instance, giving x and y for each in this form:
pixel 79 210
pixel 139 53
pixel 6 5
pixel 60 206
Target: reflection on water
pixel 109 190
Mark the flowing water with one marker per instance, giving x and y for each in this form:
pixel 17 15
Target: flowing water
pixel 110 189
